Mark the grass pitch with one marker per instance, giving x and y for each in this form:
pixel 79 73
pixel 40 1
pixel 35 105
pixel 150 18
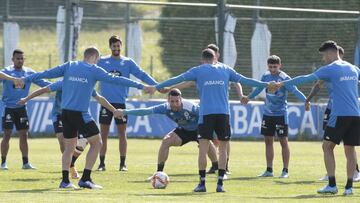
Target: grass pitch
pixel 247 160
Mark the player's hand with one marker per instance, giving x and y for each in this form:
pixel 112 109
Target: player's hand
pixel 307 106
pixel 22 101
pixel 244 100
pixel 164 90
pixel 149 89
pixel 19 83
pixel 272 87
pixel 279 85
pixel 119 113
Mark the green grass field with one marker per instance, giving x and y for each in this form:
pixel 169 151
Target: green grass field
pixel 247 161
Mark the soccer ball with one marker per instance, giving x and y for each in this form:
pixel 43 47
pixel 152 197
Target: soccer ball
pixel 160 180
pixel 81 144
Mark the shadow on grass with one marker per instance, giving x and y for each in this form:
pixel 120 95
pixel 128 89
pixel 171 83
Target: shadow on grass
pixel 52 172
pixel 31 190
pixel 55 190
pixel 243 178
pixel 27 179
pixel 312 196
pixel 294 182
pixel 172 175
pixel 182 174
pixel 174 194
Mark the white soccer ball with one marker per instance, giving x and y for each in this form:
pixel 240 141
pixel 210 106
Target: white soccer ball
pixel 160 180
pixel 81 144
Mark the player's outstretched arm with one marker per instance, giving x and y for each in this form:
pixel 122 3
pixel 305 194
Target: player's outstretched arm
pixel 244 100
pixel 149 89
pixel 19 83
pixel 34 94
pixel 239 90
pixel 307 106
pixel 182 85
pixel 314 90
pixel 42 83
pixel 298 94
pixel 255 92
pixel 141 74
pixel 4 76
pixel 299 80
pixel 158 109
pixel 105 103
pixel 139 112
pixel 55 72
pixel 170 82
pixel 236 77
pixel 101 75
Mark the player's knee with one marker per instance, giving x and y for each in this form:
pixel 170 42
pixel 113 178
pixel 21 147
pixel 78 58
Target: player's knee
pixel 268 142
pixel 327 147
pixel 122 135
pixel 166 142
pixel 6 137
pixel 283 141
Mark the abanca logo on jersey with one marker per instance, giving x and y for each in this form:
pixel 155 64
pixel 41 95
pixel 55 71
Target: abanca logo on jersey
pixel 346 78
pixel 78 79
pixel 214 82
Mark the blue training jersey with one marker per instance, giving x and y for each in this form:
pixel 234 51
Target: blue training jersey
pixel 212 81
pixel 343 77
pixel 186 118
pixel 12 95
pixel 79 82
pixel 276 102
pixel 57 87
pixel 121 67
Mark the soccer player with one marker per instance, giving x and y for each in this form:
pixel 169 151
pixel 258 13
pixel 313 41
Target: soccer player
pixel 14 113
pixel 57 123
pixel 212 80
pixel 275 115
pixel 185 114
pixel 314 90
pixel 239 91
pixel 79 80
pixel 344 121
pixel 118 65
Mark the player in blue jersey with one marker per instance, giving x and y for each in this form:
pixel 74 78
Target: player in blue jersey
pixel 14 113
pixel 57 123
pixel 239 91
pixel 185 114
pixel 118 65
pixel 314 90
pixel 344 121
pixel 275 115
pixel 212 80
pixel 79 81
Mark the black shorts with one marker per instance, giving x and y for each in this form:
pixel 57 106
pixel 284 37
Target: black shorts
pixel 274 124
pixel 347 129
pixel 17 116
pixel 218 123
pixel 105 116
pixel 186 135
pixel 326 117
pixel 58 126
pixel 74 124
